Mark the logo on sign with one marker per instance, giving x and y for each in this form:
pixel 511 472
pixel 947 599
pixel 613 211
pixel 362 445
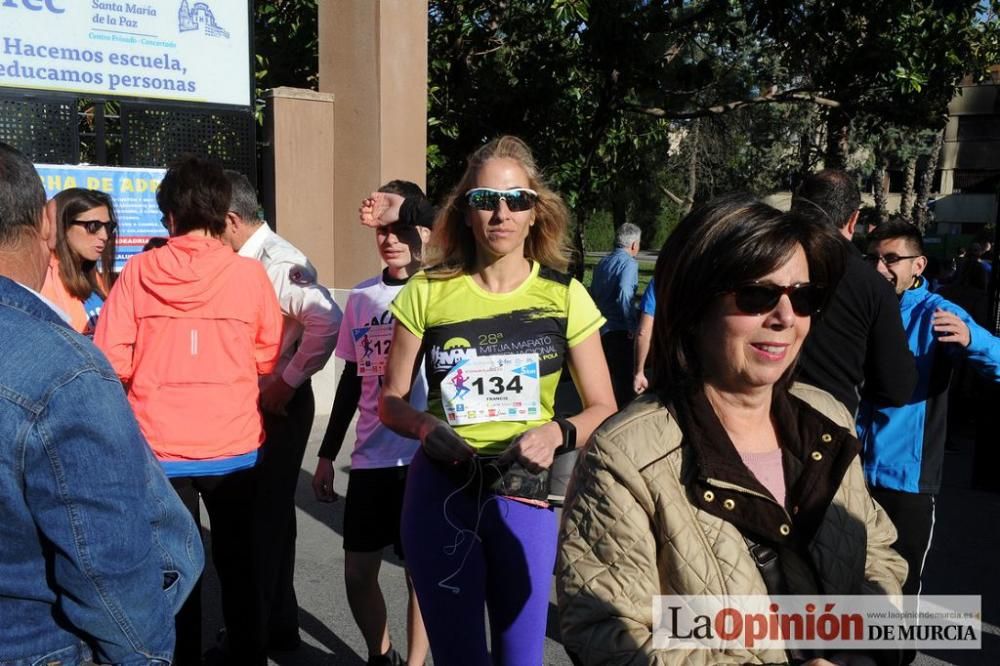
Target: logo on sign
pixel 33 5
pixel 199 16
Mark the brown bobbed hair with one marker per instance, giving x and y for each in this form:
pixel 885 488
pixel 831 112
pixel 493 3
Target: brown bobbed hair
pixel 81 277
pixel 196 192
pixel 452 248
pixel 728 242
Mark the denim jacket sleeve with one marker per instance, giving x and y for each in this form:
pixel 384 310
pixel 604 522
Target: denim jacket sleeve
pixel 125 552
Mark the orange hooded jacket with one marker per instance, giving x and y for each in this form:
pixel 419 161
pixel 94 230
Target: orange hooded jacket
pixel 188 328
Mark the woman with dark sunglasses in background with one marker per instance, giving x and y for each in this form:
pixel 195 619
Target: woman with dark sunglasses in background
pixel 723 457
pixel 81 268
pixel 494 320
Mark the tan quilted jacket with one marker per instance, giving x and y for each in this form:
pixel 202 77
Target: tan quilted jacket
pixel 629 532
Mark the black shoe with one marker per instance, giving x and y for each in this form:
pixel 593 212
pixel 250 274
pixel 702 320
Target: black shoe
pixel 222 655
pixel 390 658
pixel 215 656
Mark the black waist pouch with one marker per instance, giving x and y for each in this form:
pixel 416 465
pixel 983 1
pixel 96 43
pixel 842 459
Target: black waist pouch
pixel 511 479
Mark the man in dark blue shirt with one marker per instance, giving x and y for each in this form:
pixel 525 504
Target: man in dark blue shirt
pixel 613 287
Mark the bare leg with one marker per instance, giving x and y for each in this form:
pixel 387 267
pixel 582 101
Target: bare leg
pixel 365 598
pixel 417 644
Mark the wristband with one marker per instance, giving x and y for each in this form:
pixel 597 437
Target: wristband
pixel 568 434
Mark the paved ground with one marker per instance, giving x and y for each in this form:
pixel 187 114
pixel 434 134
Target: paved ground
pixel 963 560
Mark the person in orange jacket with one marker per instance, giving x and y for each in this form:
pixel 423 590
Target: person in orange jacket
pixel 189 328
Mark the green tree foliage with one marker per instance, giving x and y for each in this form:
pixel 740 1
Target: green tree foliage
pixel 513 66
pixel 582 80
pixel 896 61
pixel 286 40
pixel 891 62
pixel 607 91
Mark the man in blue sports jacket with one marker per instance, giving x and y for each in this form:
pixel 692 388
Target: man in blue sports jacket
pixel 904 446
pixel 97 552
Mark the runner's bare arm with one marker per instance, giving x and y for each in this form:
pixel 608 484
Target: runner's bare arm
pixel 643 337
pixel 535 449
pixel 394 409
pixel 590 375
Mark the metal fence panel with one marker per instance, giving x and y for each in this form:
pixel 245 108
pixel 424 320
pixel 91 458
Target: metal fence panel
pixel 44 128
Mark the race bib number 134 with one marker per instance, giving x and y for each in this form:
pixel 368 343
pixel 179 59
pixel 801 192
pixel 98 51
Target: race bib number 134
pixel 502 387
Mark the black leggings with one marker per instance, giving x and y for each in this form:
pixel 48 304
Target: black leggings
pixel 229 501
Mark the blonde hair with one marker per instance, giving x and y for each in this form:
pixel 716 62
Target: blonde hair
pixel 452 247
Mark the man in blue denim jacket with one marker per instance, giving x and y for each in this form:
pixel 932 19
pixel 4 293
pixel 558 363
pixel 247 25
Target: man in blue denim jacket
pixel 97 552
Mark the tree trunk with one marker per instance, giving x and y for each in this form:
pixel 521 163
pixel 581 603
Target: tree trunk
pixel 692 144
pixel 838 139
pixel 579 250
pixel 585 197
pixel 909 192
pixel 921 214
pixel 695 140
pixel 619 210
pixel 881 192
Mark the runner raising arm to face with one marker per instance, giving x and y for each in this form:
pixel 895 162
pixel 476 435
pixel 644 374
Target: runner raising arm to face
pixel 381 458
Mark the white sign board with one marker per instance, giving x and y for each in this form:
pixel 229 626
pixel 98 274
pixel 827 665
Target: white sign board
pixel 178 50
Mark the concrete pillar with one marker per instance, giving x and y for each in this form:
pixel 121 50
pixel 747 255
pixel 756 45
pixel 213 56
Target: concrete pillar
pixel 298 196
pixel 373 58
pixel 298 187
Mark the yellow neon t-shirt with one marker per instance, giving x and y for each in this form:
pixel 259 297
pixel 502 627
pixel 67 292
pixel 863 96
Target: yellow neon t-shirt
pixel 548 314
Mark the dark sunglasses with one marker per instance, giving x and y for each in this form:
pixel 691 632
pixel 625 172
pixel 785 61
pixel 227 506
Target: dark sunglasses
pixel 887 259
pixel 93 226
pixel 486 198
pixel 761 297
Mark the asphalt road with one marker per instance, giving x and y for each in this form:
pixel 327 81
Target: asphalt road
pixel 963 560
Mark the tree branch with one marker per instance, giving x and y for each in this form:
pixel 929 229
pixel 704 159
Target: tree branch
pixel 786 97
pixel 680 201
pixel 476 54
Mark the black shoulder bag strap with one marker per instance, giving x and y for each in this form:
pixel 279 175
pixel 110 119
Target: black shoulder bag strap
pixel 769 565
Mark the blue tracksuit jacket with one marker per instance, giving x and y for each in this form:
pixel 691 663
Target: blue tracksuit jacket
pixel 904 446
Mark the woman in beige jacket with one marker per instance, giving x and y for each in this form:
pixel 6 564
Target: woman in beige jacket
pixel 722 449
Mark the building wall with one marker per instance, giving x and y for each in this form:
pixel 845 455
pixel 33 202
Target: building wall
pixel 970 161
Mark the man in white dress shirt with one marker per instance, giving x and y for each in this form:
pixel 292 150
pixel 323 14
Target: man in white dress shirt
pixel 309 335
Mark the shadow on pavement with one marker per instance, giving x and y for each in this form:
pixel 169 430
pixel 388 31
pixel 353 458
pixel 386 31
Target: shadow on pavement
pixel 330 514
pixel 335 653
pixel 963 551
